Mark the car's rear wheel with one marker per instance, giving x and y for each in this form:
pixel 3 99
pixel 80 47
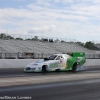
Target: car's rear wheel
pixel 74 67
pixel 44 68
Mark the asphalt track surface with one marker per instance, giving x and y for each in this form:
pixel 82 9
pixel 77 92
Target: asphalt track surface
pixel 19 72
pixel 75 89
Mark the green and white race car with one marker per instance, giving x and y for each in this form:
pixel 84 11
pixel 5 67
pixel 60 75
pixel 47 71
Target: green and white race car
pixel 58 62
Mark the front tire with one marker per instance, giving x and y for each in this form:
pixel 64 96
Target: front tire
pixel 44 69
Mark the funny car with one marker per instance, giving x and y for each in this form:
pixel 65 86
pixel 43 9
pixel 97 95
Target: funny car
pixel 57 62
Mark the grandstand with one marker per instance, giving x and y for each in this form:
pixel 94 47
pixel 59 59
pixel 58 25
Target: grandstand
pixel 14 46
pixel 38 47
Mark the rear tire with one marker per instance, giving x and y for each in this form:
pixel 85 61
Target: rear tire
pixel 44 69
pixel 74 67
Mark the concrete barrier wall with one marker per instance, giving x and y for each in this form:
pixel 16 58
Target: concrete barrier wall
pixel 15 63
pixel 21 63
pixel 92 62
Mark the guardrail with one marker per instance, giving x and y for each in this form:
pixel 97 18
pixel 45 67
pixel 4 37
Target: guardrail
pixel 37 56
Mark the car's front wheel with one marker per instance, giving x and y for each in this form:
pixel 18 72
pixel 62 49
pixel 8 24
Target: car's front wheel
pixel 44 68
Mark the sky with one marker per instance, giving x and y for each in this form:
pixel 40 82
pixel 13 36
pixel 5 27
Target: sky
pixel 70 19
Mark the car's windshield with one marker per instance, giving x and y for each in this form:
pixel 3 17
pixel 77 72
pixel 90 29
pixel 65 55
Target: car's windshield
pixel 52 57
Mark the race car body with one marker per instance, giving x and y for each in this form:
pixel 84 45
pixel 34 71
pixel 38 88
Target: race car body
pixel 57 62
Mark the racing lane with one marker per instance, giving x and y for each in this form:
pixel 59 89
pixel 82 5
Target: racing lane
pixel 21 73
pixel 70 90
pixel 12 72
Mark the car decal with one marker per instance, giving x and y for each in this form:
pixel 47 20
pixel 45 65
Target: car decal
pixel 54 65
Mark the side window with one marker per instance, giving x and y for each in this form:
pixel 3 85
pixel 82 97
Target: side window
pixel 58 58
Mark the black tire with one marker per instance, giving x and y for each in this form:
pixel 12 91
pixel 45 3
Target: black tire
pixel 74 67
pixel 44 69
pixel 57 70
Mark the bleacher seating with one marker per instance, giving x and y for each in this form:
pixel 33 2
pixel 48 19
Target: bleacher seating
pixel 14 46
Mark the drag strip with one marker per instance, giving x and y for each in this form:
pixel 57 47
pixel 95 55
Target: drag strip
pixel 6 73
pixel 13 81
pixel 15 72
pixel 70 90
pixel 82 85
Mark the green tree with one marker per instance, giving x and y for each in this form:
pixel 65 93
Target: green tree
pixel 19 39
pixel 80 43
pixel 2 35
pixel 28 39
pixel 9 37
pixel 90 45
pixel 36 38
pixel 62 41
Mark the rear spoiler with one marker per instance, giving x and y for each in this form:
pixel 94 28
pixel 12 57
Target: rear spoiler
pixel 78 54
